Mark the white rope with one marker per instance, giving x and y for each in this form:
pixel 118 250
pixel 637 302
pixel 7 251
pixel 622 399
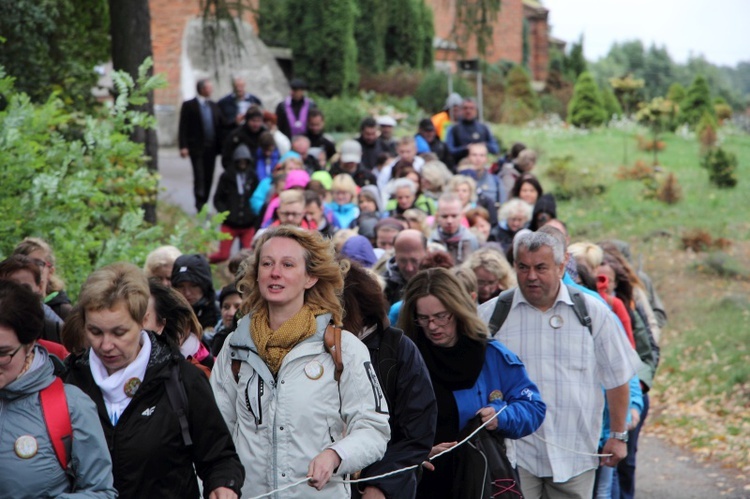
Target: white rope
pixel 390 473
pixel 395 472
pixel 281 489
pixel 571 450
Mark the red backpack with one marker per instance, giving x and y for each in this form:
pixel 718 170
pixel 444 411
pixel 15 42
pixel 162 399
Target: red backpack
pixel 57 419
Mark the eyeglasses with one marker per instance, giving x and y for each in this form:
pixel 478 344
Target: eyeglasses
pixel 440 319
pixel 486 284
pixel 40 263
pixel 6 358
pixel 290 214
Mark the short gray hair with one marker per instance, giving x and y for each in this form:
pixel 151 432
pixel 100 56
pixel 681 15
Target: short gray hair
pixel 532 241
pixel 403 183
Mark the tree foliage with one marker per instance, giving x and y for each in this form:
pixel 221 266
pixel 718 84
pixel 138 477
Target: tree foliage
pixel 586 109
pixel 475 20
pixel 721 166
pixel 521 101
pixel 610 103
pixel 574 63
pixel 697 101
pixel 370 31
pixel 325 52
pixel 404 33
pixel 432 91
pixel 79 181
pixel 53 46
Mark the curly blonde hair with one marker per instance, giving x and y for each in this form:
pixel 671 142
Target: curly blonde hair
pixel 320 262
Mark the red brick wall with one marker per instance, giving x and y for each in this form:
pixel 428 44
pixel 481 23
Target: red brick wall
pixel 168 21
pixel 539 41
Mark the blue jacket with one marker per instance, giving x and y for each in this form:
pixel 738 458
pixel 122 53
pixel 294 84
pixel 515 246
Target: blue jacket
pixel 344 213
pixel 503 372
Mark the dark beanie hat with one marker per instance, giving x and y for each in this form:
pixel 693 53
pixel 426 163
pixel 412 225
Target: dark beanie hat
pixel 192 268
pixel 228 290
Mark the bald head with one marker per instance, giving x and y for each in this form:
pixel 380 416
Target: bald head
pixel 410 247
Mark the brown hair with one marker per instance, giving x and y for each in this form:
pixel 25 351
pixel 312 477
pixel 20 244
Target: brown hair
pixel 364 302
pixel 32 244
pixel 443 285
pixel 174 311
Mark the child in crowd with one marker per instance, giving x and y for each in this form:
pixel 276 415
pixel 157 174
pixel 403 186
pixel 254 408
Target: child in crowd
pixel 344 193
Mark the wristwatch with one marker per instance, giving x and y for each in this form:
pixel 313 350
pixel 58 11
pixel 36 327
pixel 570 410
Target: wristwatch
pixel 617 435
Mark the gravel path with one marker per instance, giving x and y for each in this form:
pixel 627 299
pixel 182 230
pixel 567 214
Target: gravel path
pixel 665 471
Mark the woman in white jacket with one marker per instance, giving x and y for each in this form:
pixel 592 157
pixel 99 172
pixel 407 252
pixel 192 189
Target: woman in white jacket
pixel 274 380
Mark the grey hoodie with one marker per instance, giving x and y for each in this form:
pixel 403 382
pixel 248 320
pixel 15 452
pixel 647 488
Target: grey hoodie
pixel 41 475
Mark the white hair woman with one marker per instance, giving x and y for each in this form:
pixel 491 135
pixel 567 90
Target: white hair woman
pixel 514 215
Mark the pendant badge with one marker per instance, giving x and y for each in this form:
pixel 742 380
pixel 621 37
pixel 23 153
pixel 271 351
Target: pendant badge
pixel 131 386
pixel 556 321
pixel 475 135
pixel 298 124
pixel 495 395
pixel 314 370
pixel 26 447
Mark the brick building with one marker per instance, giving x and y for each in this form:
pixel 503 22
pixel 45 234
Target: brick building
pixel 507 35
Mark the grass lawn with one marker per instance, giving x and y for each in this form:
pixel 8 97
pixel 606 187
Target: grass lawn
pixel 701 396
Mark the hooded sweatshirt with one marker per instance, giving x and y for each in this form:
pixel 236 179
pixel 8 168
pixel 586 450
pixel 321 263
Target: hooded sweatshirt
pixel 195 269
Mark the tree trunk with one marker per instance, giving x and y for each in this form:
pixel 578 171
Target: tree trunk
pixel 130 28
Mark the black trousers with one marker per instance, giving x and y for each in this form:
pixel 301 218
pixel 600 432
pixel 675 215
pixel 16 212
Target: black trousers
pixel 203 163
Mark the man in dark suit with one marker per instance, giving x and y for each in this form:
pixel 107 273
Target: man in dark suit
pixel 198 138
pixel 233 107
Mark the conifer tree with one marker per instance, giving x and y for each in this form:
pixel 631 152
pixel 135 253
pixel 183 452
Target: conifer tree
pixel 370 30
pixel 611 104
pixel 325 52
pixel 697 101
pixel 586 108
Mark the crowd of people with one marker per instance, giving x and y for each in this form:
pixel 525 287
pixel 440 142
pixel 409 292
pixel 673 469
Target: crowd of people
pixel 394 296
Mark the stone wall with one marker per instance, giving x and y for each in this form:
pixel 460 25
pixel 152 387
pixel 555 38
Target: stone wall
pixel 183 55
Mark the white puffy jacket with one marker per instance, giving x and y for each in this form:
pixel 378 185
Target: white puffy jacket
pixel 279 425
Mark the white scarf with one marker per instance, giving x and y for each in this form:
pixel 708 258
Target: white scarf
pixel 113 386
pixel 190 346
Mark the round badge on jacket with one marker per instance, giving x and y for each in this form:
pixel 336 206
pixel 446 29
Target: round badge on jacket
pixel 26 447
pixel 495 395
pixel 556 321
pixel 131 386
pixel 314 370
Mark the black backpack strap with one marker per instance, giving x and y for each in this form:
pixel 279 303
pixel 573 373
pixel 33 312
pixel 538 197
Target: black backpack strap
pixel 579 307
pixel 179 401
pixel 502 309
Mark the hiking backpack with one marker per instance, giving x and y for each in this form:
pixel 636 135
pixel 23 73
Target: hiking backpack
pixel 505 300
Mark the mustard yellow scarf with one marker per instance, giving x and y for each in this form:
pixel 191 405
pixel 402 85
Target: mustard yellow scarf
pixel 274 345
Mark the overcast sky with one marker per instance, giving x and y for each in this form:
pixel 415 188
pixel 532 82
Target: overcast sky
pixel 717 29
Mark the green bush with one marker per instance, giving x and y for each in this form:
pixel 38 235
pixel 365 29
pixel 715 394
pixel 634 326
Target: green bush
pixel 521 103
pixel 611 104
pixel 343 114
pixel 79 183
pixel 433 90
pixel 721 166
pixel 586 109
pixel 571 182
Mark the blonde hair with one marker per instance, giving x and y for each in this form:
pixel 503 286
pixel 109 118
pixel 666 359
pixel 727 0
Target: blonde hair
pixel 32 244
pixel 344 182
pixel 163 256
pixel 467 278
pixel 458 180
pixel 493 262
pixel 526 160
pixel 341 236
pixel 291 196
pixel 443 285
pixel 437 174
pixel 114 283
pixel 320 263
pixel 587 253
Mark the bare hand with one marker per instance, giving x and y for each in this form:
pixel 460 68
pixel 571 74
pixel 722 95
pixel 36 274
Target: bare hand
pixel 321 468
pixel 240 117
pixel 440 448
pixel 184 153
pixel 487 413
pixel 617 448
pixel 222 493
pixel 372 493
pixel 635 418
pixel 428 466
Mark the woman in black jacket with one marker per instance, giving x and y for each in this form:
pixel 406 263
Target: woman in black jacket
pixel 157 410
pixel 404 378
